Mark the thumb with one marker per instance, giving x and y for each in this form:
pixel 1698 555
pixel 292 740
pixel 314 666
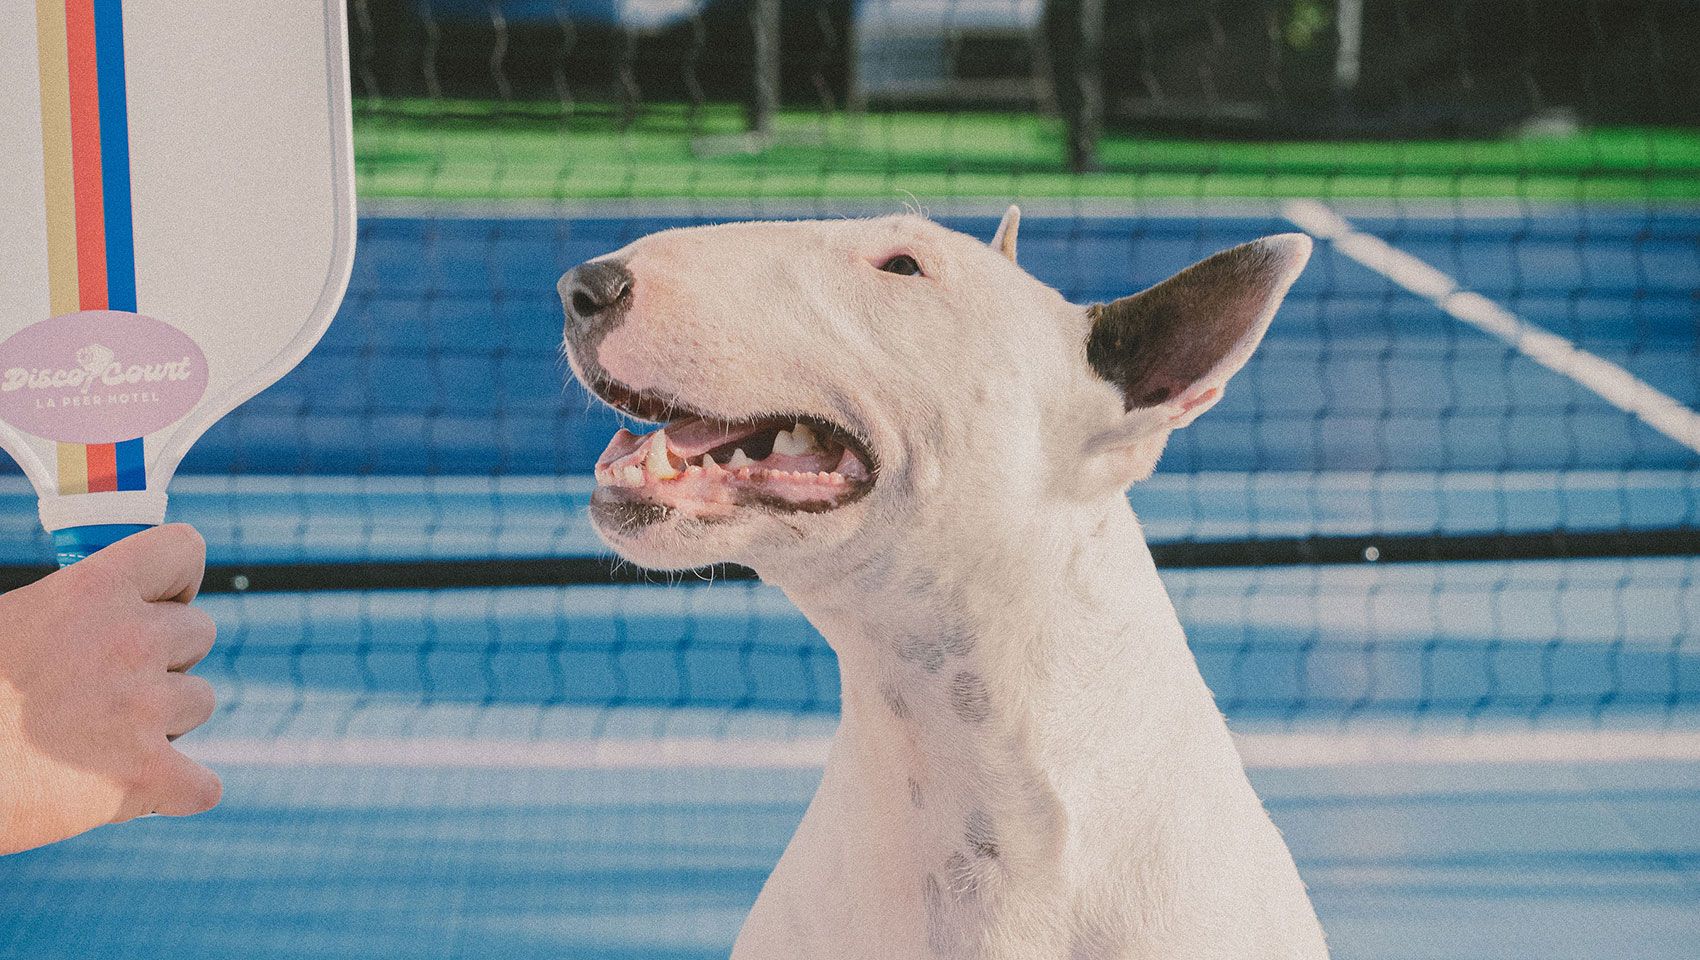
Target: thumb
pixel 164 563
pixel 184 787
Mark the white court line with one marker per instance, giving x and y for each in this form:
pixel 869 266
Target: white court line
pixel 1616 385
pixel 661 753
pixel 1300 751
pixel 1272 751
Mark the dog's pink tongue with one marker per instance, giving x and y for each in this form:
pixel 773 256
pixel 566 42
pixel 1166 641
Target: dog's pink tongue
pixel 693 436
pixel 687 439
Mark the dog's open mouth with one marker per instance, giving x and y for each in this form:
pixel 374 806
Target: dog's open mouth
pixel 705 466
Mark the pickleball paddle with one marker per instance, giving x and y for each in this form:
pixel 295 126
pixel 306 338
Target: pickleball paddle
pixel 176 232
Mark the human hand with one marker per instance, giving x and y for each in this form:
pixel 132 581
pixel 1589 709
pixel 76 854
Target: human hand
pixel 93 689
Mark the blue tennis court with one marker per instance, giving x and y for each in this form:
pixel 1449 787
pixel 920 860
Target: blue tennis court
pixel 610 771
pixel 1508 861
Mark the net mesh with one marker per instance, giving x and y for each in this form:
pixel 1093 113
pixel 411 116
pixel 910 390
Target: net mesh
pixel 1427 505
pixel 1544 165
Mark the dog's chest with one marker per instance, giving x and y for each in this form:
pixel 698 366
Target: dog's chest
pixel 933 751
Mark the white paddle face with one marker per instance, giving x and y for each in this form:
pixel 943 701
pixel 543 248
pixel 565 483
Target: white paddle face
pixel 177 229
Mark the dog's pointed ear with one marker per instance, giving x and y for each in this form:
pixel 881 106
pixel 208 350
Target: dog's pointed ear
pixel 1172 348
pixel 1004 240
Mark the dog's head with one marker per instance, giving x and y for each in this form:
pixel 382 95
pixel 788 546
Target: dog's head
pixel 824 383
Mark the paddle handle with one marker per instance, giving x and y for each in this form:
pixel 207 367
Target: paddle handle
pixel 82 523
pixel 71 544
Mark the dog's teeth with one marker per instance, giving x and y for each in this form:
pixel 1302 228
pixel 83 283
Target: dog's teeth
pixel 739 459
pixel 634 476
pixel 660 466
pixel 795 442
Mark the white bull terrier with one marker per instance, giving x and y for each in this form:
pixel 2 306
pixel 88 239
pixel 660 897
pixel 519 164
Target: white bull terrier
pixel 929 450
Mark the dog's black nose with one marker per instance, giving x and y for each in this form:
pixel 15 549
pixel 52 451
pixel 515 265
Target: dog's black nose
pixel 595 295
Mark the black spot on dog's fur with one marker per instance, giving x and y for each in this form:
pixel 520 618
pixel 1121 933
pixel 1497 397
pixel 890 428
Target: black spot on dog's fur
pixel 926 651
pixel 914 793
pixel 980 835
pixel 969 697
pixel 956 640
pixel 894 702
pixel 982 838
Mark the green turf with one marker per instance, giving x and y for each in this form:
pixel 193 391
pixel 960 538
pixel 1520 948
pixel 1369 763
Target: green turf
pixel 471 149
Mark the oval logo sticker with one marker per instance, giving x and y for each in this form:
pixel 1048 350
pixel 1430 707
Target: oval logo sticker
pixel 99 376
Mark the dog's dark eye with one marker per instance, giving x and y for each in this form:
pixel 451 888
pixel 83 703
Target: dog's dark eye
pixel 903 265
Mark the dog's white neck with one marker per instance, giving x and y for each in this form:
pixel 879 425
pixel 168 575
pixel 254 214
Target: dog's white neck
pixel 997 677
pixel 1025 742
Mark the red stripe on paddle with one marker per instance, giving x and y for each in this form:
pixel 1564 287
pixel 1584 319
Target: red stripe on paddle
pixel 85 155
pixel 103 467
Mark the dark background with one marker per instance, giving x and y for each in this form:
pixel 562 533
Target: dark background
pixel 1234 67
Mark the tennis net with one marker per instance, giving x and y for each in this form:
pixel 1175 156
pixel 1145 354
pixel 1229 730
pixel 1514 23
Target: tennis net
pixel 1461 474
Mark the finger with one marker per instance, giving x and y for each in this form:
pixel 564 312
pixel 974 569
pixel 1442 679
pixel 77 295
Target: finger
pixel 185 787
pixel 164 563
pixel 189 703
pixel 188 632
